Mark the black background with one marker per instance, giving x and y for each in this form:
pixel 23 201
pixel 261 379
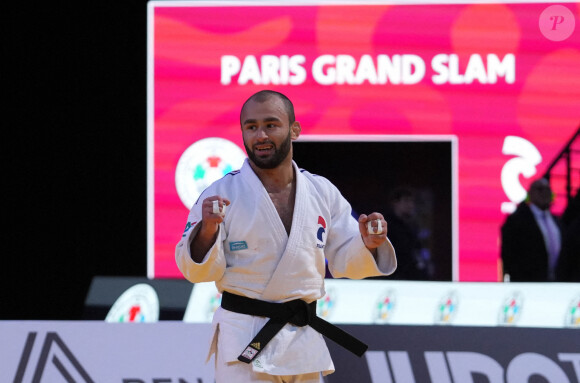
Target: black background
pixel 74 150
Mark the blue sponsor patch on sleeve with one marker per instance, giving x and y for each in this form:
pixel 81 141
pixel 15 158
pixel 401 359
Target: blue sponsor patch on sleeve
pixel 238 245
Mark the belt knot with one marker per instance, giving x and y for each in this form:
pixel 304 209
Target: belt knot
pixel 299 312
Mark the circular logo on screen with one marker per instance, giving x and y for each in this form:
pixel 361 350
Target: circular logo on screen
pixel 573 313
pixel 385 307
pixel 511 309
pixel 138 304
pixel 204 162
pixel 447 308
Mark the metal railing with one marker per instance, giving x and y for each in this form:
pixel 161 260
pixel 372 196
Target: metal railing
pixel 571 171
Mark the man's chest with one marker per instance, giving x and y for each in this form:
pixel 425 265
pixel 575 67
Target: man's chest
pixel 284 203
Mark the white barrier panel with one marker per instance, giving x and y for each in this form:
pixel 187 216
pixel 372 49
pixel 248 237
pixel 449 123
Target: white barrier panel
pixel 175 352
pixel 427 303
pixel 99 352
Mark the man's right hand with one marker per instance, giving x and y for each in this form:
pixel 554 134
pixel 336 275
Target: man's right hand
pixel 210 223
pixel 210 220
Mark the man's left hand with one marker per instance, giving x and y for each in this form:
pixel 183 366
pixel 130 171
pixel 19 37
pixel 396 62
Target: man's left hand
pixel 372 240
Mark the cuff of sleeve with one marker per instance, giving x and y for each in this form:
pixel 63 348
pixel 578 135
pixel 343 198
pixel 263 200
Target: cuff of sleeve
pixel 361 263
pixel 211 267
pixel 212 252
pixel 386 258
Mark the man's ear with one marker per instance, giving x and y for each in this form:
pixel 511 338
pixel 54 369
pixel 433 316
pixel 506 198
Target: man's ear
pixel 295 130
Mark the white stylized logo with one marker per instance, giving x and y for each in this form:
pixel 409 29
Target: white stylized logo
pixel 528 157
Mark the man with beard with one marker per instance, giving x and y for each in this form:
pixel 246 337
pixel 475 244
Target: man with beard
pixel 267 253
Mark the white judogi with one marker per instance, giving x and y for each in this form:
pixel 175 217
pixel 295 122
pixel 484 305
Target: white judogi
pixel 253 256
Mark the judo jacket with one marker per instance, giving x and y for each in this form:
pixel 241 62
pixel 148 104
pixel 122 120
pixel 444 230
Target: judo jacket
pixel 254 256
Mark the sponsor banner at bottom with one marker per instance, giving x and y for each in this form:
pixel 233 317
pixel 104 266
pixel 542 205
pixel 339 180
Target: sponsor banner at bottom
pixel 175 352
pixel 457 354
pixel 100 352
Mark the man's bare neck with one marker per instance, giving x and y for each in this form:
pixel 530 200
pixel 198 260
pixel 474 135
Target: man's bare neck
pixel 276 180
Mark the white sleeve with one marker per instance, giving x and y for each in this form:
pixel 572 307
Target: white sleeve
pixel 213 265
pixel 347 255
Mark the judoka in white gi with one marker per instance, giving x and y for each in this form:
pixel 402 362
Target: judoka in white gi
pixel 271 242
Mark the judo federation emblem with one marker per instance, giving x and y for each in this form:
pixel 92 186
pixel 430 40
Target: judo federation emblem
pixel 447 308
pixel 385 307
pixel 573 313
pixel 204 162
pixel 138 304
pixel 325 305
pixel 215 301
pixel 321 232
pixel 510 310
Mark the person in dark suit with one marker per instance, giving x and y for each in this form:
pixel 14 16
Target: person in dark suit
pixel 531 238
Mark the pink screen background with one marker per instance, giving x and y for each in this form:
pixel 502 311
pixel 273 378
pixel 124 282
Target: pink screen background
pixel 542 105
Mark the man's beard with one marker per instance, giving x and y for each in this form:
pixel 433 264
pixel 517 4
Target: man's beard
pixel 272 162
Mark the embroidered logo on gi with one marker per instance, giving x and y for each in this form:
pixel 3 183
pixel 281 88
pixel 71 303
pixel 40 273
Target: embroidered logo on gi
pixel 321 232
pixel 188 226
pixel 256 345
pixel 249 353
pixel 238 245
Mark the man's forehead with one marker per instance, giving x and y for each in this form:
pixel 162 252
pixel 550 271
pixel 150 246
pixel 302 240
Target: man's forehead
pixel 269 102
pixel 264 119
pixel 540 184
pixel 272 108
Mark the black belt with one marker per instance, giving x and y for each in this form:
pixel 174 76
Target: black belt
pixel 297 312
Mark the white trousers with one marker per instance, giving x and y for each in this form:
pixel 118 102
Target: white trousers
pixel 228 372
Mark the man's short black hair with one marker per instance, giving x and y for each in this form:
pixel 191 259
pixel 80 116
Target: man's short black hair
pixel 265 95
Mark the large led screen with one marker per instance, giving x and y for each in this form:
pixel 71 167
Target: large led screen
pixel 502 79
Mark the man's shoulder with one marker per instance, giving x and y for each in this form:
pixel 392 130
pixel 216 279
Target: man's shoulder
pixel 522 213
pixel 224 183
pixel 230 176
pixel 316 179
pixel 523 209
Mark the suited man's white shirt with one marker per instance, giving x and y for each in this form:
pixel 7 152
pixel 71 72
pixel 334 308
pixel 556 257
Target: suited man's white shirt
pixel 547 224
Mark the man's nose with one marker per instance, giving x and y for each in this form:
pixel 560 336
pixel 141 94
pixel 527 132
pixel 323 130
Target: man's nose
pixel 261 133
